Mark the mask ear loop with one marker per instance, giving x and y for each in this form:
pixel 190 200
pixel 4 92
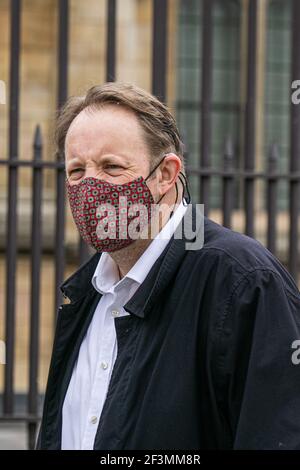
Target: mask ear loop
pixel 172 211
pixel 155 167
pixel 185 188
pixel 184 185
pixel 153 171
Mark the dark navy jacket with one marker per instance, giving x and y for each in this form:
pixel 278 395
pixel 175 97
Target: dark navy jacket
pixel 206 358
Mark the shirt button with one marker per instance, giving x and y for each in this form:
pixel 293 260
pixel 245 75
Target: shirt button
pixel 115 313
pixel 94 419
pixel 104 365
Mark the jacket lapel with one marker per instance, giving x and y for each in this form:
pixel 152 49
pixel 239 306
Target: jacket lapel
pixel 165 266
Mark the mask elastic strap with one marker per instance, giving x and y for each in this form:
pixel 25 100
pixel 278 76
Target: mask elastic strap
pixel 152 171
pixel 172 211
pixel 155 167
pixel 185 187
pixel 184 184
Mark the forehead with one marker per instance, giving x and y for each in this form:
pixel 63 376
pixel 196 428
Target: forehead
pixel 111 125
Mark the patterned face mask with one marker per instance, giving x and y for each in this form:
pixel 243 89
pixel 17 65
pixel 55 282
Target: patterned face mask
pixel 111 216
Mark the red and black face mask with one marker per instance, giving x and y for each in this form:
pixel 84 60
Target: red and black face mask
pixel 109 216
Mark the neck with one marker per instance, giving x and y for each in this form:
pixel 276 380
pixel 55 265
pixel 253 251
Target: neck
pixel 128 256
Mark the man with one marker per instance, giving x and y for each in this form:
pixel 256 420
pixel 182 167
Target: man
pixel 163 345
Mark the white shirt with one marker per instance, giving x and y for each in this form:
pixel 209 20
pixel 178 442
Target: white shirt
pixel 89 383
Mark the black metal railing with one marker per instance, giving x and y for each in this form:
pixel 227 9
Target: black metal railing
pixel 228 173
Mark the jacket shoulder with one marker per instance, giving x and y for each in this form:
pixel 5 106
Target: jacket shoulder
pixel 244 249
pixel 238 254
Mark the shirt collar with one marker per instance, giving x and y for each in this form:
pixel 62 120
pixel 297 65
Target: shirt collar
pixel 106 276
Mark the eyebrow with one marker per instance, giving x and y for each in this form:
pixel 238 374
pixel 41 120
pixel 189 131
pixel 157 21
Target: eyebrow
pixel 104 159
pixel 73 160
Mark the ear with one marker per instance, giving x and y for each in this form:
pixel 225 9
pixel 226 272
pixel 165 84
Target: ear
pixel 169 170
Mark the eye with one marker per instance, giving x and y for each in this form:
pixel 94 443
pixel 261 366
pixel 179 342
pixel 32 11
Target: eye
pixel 75 172
pixel 113 167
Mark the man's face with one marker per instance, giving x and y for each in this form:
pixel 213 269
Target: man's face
pixel 107 144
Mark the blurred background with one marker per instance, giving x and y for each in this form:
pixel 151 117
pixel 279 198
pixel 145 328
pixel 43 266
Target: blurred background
pixel 224 67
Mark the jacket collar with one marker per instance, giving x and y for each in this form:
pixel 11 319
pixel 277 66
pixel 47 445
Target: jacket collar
pixel 161 273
